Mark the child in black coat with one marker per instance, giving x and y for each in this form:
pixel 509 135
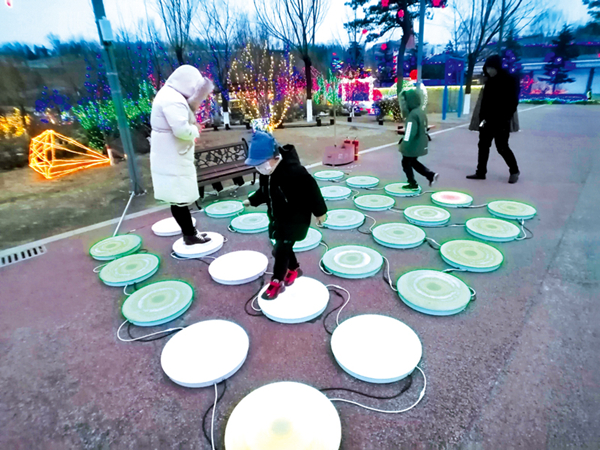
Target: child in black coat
pixel 292 197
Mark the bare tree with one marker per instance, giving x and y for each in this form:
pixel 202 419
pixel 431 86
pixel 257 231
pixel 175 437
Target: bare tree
pixel 177 16
pixel 295 23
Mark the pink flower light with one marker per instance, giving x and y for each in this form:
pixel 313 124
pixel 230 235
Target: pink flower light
pixel 385 3
pixel 384 47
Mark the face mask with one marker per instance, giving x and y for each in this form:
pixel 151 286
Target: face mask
pixel 266 168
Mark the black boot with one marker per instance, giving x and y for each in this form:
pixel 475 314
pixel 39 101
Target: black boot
pixel 476 176
pixel 198 238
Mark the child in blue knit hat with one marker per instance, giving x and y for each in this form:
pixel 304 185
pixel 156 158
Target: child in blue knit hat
pixel 292 197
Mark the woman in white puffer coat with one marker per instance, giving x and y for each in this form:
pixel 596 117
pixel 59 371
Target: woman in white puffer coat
pixel 174 132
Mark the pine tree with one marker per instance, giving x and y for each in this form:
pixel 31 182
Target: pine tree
pixel 449 47
pixel 558 63
pixel 511 55
pixel 593 8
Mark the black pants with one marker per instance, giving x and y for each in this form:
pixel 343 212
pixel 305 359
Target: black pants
pixel 500 134
pixel 184 219
pixel 409 163
pixel 284 259
pixel 218 186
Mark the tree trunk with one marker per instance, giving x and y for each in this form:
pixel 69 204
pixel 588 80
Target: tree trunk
pixel 400 64
pixel 308 75
pixel 179 54
pixel 470 70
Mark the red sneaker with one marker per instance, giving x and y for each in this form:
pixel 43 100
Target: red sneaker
pixel 274 289
pixel 291 276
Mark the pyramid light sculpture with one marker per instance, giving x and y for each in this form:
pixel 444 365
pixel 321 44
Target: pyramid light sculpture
pixel 44 160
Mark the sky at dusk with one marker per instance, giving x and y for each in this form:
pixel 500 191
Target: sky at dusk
pixel 30 21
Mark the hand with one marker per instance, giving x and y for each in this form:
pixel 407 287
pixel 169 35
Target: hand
pixel 246 203
pixel 482 124
pixel 321 220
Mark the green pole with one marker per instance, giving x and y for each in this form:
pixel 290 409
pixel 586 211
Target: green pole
pixel 107 39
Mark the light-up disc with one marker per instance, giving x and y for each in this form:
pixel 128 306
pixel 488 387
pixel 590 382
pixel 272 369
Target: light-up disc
pixel 116 247
pixel 362 182
pixel 353 261
pixel 251 223
pixel 158 303
pixel 205 353
pixel 494 230
pixel 397 189
pixel 374 202
pixel 238 267
pixel 223 209
pixel 344 219
pixel 472 256
pixel 506 209
pixel 451 199
pixel 398 235
pixel 306 299
pixel 130 269
pixel 168 227
pixel 433 292
pixel 312 240
pixel 426 216
pixel 199 250
pixel 329 175
pixel 375 348
pixel 335 192
pixel 284 416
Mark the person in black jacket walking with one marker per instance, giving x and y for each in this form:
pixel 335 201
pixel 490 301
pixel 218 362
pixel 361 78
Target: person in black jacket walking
pixel 499 103
pixel 292 197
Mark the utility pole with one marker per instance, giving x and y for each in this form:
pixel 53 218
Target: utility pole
pixel 420 47
pixel 107 39
pixel 501 27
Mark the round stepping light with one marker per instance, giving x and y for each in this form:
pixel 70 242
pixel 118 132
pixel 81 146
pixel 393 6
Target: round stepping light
pixel 398 190
pixel 471 256
pixel 329 175
pixel 168 227
pixel 426 216
pixel 199 250
pixel 353 261
pixel 344 219
pixel 362 182
pixel 223 209
pixel 238 267
pixel 374 202
pixel 335 192
pixel 398 235
pixel 506 209
pixel 284 415
pixel 130 269
pixel 116 247
pixel 376 348
pixel 158 303
pixel 451 199
pixel 494 230
pixel 250 223
pixel 433 292
pixel 312 240
pixel 304 300
pixel 205 353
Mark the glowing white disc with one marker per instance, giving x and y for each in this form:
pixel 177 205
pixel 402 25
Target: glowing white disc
pixel 329 175
pixel 238 267
pixel 306 299
pixel 199 250
pixel 335 192
pixel 451 199
pixel 284 416
pixel 168 227
pixel 363 182
pixel 375 348
pixel 205 353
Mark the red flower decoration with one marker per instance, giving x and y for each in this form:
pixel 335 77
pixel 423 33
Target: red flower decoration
pixel 365 31
pixel 413 74
pixel 385 3
pixel 383 46
pixel 401 13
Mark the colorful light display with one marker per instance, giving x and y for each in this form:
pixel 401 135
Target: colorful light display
pixel 12 125
pixel 48 150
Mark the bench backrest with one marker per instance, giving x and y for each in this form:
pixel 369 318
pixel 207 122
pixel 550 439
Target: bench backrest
pixel 229 154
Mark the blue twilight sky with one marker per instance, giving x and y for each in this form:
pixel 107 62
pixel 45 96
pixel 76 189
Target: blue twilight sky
pixel 30 21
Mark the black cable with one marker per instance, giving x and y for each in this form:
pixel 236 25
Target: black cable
pixel 332 311
pixel 150 339
pixel 530 232
pixel 367 232
pixel 219 397
pixel 407 384
pixel 254 313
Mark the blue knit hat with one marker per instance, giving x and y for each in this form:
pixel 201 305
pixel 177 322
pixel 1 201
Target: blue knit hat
pixel 262 148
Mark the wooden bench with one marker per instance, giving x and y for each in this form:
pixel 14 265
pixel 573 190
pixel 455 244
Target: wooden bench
pixel 222 163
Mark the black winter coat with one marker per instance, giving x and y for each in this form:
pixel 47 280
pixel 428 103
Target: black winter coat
pixel 292 196
pixel 500 94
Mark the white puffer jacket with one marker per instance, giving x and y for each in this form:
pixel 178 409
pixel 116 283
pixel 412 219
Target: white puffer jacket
pixel 173 133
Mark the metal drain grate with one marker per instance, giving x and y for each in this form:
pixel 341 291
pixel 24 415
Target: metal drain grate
pixel 21 254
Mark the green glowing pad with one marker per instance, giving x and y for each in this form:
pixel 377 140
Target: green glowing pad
pixel 353 261
pixel 362 182
pixel 451 199
pixel 251 223
pixel 344 219
pixel 471 256
pixel 329 175
pixel 426 216
pixel 374 202
pixel 433 292
pixel 398 235
pixel 397 190
pixel 506 209
pixel 158 303
pixel 494 230
pixel 223 209
pixel 335 192
pixel 130 269
pixel 116 247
